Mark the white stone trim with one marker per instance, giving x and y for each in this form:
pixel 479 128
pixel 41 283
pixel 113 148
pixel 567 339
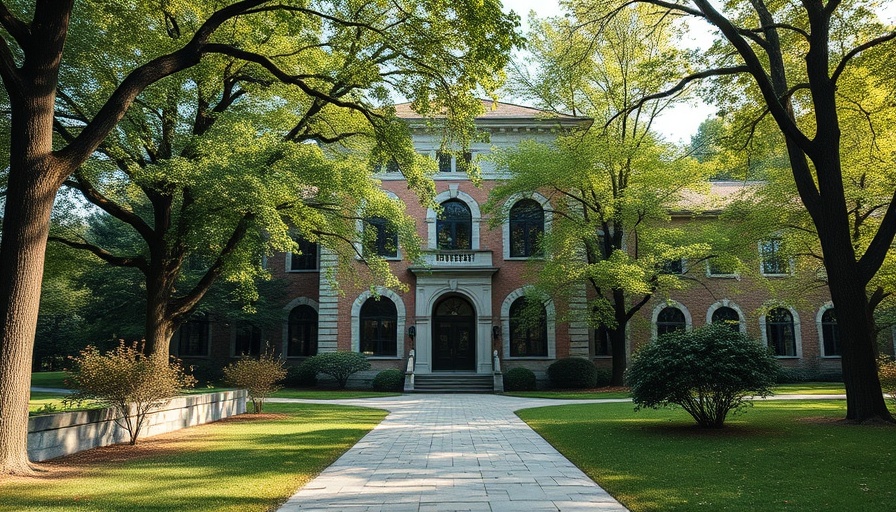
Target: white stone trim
pixel 669 304
pixel 453 192
pixel 505 219
pixel 550 313
pixel 725 303
pixel 359 228
pixel 824 307
pixel 797 332
pixel 400 321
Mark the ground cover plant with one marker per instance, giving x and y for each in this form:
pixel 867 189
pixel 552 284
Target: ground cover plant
pixel 246 463
pixel 786 455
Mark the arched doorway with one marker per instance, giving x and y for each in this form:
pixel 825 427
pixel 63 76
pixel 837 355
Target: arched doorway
pixel 453 335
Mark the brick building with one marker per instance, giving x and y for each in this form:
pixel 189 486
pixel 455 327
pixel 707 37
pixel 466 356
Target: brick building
pixel 465 296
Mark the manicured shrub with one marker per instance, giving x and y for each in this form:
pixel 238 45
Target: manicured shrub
pixel 572 373
pixel 519 379
pixel 886 370
pixel 127 381
pixel 389 380
pixel 709 372
pixel 301 376
pixel 339 365
pixel 260 377
pixel 604 377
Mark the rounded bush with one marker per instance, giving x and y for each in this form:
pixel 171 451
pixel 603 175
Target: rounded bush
pixel 389 380
pixel 339 365
pixel 709 372
pixel 519 379
pixel 572 373
pixel 604 377
pixel 301 376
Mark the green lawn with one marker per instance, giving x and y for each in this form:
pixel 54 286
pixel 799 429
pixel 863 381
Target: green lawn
pixel 49 403
pixel 49 379
pixel 811 388
pixel 570 395
pixel 330 394
pixel 791 455
pixel 237 465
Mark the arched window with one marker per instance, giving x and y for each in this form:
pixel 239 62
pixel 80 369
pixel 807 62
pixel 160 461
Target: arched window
pixel 526 228
pixel 670 319
pixel 306 258
pixel 779 332
pixel 528 329
pixel 382 239
pixel 379 333
pixel 727 316
pixel 454 227
pixel 830 333
pixel 247 341
pixel 302 332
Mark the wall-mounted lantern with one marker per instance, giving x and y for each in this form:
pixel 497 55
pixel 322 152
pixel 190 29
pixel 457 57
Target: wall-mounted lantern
pixel 496 331
pixel 412 331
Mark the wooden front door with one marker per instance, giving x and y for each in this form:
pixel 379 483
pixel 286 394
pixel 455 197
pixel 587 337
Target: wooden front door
pixel 454 335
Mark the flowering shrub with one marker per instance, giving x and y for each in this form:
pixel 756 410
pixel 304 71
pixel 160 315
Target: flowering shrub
pixel 127 381
pixel 260 377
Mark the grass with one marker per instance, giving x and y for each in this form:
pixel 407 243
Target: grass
pixel 233 465
pixel 49 380
pixel 48 403
pixel 811 388
pixel 791 455
pixel 330 394
pixel 571 395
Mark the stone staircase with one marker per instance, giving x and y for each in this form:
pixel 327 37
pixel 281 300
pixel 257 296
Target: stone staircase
pixel 453 383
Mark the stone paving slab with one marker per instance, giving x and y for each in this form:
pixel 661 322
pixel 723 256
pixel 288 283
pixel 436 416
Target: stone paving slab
pixel 438 453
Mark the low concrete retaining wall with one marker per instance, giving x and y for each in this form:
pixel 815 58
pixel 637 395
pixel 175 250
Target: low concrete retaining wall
pixel 55 435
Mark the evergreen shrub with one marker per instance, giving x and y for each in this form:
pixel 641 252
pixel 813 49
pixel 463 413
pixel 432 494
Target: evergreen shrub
pixel 389 380
pixel 572 373
pixel 519 379
pixel 302 376
pixel 709 372
pixel 339 365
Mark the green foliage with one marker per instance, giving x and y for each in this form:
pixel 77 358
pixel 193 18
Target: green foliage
pixel 207 372
pixel 128 381
pixel 572 373
pixel 604 376
pixel 260 377
pixel 519 379
pixel 886 370
pixel 709 371
pixel 301 376
pixel 389 380
pixel 339 365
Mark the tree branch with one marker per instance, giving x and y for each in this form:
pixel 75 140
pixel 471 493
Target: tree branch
pixel 857 50
pixel 138 262
pixel 876 252
pixel 111 207
pixel 19 30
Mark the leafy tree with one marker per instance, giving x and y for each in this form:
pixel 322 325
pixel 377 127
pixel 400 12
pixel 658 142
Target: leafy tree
pixel 790 60
pixel 345 57
pixel 129 381
pixel 710 372
pixel 612 183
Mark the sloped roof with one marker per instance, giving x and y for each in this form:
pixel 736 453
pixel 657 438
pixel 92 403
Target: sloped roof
pixel 496 110
pixel 720 194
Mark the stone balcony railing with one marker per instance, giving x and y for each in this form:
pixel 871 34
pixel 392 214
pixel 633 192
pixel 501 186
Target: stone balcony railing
pixel 457 259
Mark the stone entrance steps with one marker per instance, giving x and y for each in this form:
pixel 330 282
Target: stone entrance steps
pixel 453 383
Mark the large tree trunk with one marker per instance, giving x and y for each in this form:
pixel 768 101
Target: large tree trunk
pixel 617 339
pixel 159 325
pixel 25 230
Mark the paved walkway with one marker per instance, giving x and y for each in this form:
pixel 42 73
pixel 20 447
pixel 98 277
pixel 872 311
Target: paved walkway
pixel 452 452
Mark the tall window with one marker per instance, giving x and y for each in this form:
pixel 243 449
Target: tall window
pixel 780 333
pixel 526 228
pixel 302 332
pixel 675 267
pixel 444 161
pixel 727 316
pixel 454 228
pixel 528 329
pixel 830 333
pixel 306 258
pixel 382 241
pixel 379 333
pixel 192 337
pixel 602 344
pixel 773 261
pixel 248 340
pixel 670 319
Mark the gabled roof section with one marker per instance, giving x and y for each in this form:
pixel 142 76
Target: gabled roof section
pixel 497 113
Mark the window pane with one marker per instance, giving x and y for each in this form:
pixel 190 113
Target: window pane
pixel 528 330
pixel 830 333
pixel 779 331
pixel 670 319
pixel 727 316
pixel 379 332
pixel 773 262
pixel 306 258
pixel 302 332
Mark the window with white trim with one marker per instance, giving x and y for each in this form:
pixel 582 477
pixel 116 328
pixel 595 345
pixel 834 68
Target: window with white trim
pixel 193 337
pixel 378 328
pixel 528 331
pixel 306 257
pixel 728 317
pixel 780 332
pixel 670 319
pixel 772 260
pixel 454 226
pixel 526 228
pixel 302 332
pixel 382 239
pixel 830 334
